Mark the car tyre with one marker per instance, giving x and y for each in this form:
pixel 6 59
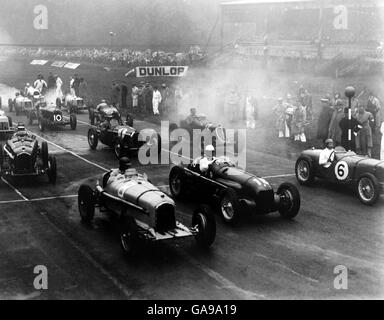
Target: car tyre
pixel 44 153
pixel 129 236
pixel 86 203
pixel 73 121
pixel 41 124
pixel 229 206
pixel 204 219
pixel 304 171
pixel 1 157
pixel 368 189
pixel 177 182
pixel 289 200
pixel 92 138
pixel 52 169
pixel 10 122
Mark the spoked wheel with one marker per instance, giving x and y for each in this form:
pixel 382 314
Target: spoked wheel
pixel 129 236
pixel 229 206
pixel 52 169
pixel 86 203
pixel 204 220
pixel 92 138
pixel 304 172
pixel 368 189
pixel 176 182
pixel 73 121
pixel 289 200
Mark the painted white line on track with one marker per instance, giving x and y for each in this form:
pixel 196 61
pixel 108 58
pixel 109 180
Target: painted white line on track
pixel 97 265
pixel 14 189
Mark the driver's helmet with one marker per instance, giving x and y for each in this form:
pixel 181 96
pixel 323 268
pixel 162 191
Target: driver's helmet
pixel 20 127
pixel 124 164
pixel 103 101
pixel 329 143
pixel 17 94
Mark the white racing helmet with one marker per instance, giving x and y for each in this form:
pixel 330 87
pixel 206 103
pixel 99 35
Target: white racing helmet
pixel 209 148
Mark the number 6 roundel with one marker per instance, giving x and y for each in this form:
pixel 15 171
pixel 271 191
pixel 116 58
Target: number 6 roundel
pixel 341 170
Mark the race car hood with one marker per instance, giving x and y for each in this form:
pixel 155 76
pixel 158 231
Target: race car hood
pixel 51 108
pixel 142 193
pixel 24 144
pixel 239 179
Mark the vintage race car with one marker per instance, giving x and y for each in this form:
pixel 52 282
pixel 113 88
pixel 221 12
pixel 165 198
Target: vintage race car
pixel 233 190
pixel 20 104
pixel 120 136
pixel 218 132
pixel 49 115
pixel 107 112
pixel 72 104
pixel 366 175
pixel 6 125
pixel 22 156
pixel 142 211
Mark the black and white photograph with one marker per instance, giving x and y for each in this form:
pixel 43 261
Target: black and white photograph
pixel 201 151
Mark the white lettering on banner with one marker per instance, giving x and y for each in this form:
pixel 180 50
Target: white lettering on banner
pixel 71 65
pixel 39 62
pixel 161 71
pixel 341 20
pixel 58 64
pixel 41 20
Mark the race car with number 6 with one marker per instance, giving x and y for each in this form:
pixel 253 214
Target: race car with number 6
pixel 366 175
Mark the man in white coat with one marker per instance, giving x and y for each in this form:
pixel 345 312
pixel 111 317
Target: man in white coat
pixel 156 100
pixel 59 84
pixel 40 84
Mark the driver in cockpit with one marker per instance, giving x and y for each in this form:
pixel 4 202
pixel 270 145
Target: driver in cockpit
pixel 207 159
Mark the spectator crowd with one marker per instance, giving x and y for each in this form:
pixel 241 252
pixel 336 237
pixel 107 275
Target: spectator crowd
pixel 124 57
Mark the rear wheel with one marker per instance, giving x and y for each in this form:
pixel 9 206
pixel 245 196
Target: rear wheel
pixel 304 172
pixel 289 200
pixel 86 203
pixel 73 121
pixel 44 153
pixel 52 169
pixel 10 122
pixel 92 138
pixel 41 124
pixel 204 219
pixel 1 156
pixel 177 182
pixel 10 105
pixel 230 206
pixel 368 189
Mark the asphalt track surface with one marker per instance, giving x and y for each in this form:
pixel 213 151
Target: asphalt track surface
pixel 263 257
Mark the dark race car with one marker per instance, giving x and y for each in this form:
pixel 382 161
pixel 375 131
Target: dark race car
pixel 233 190
pixel 49 115
pixel 219 133
pixel 120 136
pixel 142 211
pixel 72 104
pixel 22 156
pixel 366 175
pixel 106 112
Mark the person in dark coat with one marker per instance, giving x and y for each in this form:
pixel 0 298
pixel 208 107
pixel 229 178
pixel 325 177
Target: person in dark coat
pixel 346 124
pixel 324 119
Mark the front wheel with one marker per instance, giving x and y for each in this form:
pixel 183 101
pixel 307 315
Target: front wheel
pixel 289 200
pixel 129 236
pixel 230 206
pixel 368 189
pixel 204 220
pixel 86 203
pixel 52 169
pixel 44 153
pixel 92 138
pixel 304 172
pixel 73 121
pixel 10 122
pixel 177 182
